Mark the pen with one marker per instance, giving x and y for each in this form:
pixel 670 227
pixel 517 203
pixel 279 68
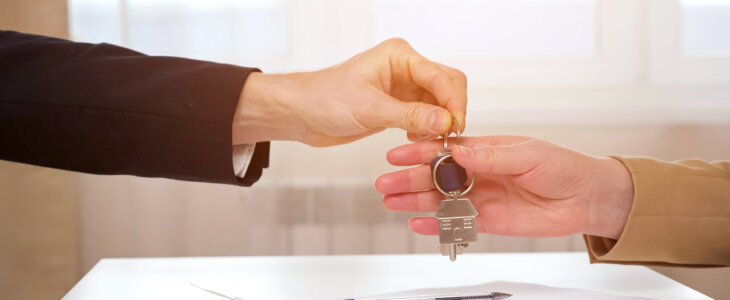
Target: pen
pixel 216 293
pixel 458 296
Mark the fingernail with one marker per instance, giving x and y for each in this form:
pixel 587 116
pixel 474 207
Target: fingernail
pixel 437 120
pixel 466 152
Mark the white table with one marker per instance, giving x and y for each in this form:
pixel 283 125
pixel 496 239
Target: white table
pixel 339 277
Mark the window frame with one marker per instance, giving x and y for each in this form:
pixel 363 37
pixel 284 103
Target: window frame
pixel 669 64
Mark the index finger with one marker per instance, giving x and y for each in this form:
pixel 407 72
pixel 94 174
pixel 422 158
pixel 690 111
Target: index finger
pixel 459 79
pixel 446 84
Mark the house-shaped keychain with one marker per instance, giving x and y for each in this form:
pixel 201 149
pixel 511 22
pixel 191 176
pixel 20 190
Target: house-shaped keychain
pixel 457 225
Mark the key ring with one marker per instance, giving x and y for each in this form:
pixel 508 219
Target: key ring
pixel 458 135
pixel 447 154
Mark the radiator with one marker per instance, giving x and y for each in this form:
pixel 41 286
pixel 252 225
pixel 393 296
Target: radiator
pixel 322 217
pixel 123 216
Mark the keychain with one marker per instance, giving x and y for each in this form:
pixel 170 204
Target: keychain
pixel 456 215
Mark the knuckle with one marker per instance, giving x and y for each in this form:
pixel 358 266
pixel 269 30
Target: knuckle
pixel 411 118
pixel 460 75
pixel 397 41
pixel 489 155
pixel 397 44
pixel 439 79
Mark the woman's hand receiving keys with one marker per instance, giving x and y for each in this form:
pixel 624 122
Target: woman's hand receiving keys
pixel 524 187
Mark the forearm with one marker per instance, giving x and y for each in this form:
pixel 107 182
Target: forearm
pixel 268 109
pixel 611 200
pixel 104 109
pixel 680 215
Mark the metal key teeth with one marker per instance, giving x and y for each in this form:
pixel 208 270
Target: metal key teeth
pixel 452 250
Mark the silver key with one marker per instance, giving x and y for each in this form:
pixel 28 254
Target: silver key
pixel 457 225
pixel 456 215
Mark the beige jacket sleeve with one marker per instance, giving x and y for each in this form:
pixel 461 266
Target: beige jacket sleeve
pixel 680 216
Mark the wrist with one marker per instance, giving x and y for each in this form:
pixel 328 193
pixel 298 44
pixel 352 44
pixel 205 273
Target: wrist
pixel 267 109
pixel 610 207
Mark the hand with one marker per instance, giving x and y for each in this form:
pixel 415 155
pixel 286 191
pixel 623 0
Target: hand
pixel 390 85
pixel 524 187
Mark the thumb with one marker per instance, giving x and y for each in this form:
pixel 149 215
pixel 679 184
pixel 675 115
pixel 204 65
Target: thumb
pixel 415 117
pixel 512 160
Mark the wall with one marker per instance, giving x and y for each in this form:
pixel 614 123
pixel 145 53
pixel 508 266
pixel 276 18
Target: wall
pixel 39 224
pixel 47 17
pixel 39 219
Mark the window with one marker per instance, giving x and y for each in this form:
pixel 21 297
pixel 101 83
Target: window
pixel 706 25
pixel 96 21
pixel 690 43
pixel 522 43
pixel 523 58
pixel 218 29
pixel 497 26
pixel 228 26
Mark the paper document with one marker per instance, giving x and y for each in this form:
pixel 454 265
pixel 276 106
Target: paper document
pixel 519 291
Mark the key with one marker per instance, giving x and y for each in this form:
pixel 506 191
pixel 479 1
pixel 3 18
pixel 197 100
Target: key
pixel 456 215
pixel 457 226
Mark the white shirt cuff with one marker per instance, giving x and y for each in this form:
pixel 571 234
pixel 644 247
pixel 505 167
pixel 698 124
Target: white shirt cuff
pixel 242 158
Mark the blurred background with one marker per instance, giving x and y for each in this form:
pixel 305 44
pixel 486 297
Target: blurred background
pixel 627 77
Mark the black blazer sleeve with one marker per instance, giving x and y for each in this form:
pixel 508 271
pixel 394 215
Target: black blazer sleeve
pixel 103 109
